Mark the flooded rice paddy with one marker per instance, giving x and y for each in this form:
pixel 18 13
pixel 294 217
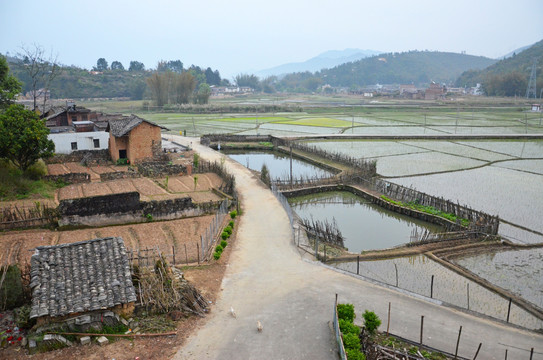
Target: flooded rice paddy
pixel 364 226
pixel 414 274
pixel 519 271
pixel 503 178
pixel 278 164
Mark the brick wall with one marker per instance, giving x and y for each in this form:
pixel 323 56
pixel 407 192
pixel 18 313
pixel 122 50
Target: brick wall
pixel 144 143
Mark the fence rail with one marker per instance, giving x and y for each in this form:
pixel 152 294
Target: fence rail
pixel 337 331
pixel 211 234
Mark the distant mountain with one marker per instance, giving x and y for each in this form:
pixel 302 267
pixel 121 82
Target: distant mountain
pixel 327 59
pixel 515 52
pixel 508 77
pixel 413 67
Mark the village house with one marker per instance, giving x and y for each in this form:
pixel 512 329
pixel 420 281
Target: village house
pixel 86 280
pixel 435 91
pixel 71 113
pixel 134 139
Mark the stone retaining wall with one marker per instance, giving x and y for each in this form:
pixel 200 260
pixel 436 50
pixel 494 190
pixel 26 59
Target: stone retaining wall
pixel 127 208
pixel 161 169
pixel 119 175
pixel 90 157
pixel 70 178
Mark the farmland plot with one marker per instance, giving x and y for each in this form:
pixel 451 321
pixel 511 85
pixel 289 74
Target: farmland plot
pixel 415 273
pixel 520 271
pixel 512 195
pixel 177 233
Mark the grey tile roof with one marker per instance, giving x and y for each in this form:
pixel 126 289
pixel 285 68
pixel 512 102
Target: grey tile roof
pixel 121 127
pixel 78 277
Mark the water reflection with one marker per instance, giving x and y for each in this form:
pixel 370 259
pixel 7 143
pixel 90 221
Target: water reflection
pixel 519 271
pixel 365 226
pixel 414 273
pixel 278 164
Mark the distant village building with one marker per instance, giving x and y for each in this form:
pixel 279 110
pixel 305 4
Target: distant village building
pixel 69 280
pixel 435 91
pixel 230 90
pixel 68 142
pixel 536 107
pixel 135 139
pixel 66 116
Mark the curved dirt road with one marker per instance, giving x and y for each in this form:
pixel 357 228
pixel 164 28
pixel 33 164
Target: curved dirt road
pixel 267 280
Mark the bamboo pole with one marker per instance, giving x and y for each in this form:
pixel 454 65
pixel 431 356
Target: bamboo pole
pixel 116 335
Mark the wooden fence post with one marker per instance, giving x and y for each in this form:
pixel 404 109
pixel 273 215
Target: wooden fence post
pixel 421 328
pixel 173 252
pixel 432 288
pixel 468 296
pixel 458 343
pixel 509 309
pixel 198 251
pixel 358 265
pixel 388 321
pixel 477 352
pixel 186 255
pixel 396 267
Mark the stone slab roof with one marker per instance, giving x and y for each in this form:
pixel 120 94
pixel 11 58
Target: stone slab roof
pixel 121 127
pixel 78 277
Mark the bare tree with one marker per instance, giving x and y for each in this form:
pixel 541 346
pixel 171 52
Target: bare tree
pixel 42 70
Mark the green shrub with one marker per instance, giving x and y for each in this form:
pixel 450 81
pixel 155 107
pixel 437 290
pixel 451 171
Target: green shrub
pixel 11 292
pixel 196 160
pixel 228 229
pixel 348 327
pixel 122 161
pixel 231 224
pixel 233 214
pixel 216 255
pixel 218 249
pixel 351 341
pixel 346 312
pixel 371 321
pixel 36 171
pixel 354 354
pixel 225 235
pixel 223 243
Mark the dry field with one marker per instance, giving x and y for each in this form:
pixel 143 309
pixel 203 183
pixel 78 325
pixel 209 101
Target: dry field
pixel 17 245
pixel 149 189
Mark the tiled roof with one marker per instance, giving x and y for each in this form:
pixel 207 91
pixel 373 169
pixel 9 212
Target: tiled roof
pixel 79 277
pixel 121 127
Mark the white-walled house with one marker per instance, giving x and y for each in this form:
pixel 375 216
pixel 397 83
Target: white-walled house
pixel 65 143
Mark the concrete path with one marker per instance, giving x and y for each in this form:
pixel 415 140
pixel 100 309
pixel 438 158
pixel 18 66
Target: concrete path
pixel 268 281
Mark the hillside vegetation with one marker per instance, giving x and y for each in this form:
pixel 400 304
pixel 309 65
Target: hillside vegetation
pixel 413 67
pixel 510 76
pixel 417 67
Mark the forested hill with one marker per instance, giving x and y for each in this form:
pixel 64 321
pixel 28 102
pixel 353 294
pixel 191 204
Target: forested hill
pixel 509 76
pixel 74 82
pixel 417 67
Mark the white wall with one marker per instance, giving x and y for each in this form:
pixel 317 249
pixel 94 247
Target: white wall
pixel 63 142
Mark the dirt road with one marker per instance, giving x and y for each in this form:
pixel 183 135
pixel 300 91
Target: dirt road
pixel 268 281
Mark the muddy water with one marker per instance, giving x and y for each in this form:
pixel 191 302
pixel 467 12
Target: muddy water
pixel 365 226
pixel 415 274
pixel 278 164
pixel 519 271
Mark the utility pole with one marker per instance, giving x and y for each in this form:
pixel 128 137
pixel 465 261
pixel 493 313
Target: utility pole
pixel 531 90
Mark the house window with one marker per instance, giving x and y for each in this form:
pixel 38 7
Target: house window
pixel 84 117
pixel 74 146
pixel 74 118
pixel 96 143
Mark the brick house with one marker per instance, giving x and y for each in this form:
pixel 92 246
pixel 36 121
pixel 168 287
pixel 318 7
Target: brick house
pixel 70 114
pixel 87 277
pixel 134 138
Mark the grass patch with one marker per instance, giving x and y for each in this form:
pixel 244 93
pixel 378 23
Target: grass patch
pixel 320 122
pixel 428 210
pixel 14 185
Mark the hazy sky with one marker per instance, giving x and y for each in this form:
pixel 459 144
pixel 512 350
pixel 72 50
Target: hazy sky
pixel 236 36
